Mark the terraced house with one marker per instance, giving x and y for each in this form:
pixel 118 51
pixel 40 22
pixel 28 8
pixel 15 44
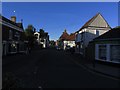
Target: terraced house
pixel 12 36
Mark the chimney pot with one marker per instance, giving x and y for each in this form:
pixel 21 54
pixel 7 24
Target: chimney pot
pixel 13 18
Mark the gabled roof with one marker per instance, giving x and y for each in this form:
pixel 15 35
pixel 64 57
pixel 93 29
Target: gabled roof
pixel 64 36
pixel 19 25
pixel 111 34
pixel 7 20
pixel 43 35
pixel 89 22
pixel 71 37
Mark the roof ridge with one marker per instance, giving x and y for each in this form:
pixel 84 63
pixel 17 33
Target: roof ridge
pixel 8 20
pixel 91 20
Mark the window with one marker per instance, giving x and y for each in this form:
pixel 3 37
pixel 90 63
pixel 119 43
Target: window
pixel 102 52
pixel 115 53
pixel 17 35
pixel 36 35
pixel 77 46
pixel 10 34
pixel 97 32
pixel 81 45
pixel 108 52
pixel 71 42
pixel 42 40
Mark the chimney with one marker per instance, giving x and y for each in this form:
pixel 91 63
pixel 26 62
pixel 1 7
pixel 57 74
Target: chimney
pixel 13 18
pixel 65 31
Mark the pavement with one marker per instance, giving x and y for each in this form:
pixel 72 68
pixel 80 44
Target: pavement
pixel 110 71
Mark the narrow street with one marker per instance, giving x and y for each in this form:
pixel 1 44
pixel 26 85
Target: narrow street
pixel 49 68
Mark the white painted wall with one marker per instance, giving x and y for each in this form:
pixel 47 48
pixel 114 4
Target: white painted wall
pixel 38 35
pixel 90 34
pixel 98 24
pixel 71 43
pixel 68 43
pixel 64 44
pixel 45 43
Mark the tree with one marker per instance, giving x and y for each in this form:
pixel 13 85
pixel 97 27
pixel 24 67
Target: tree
pixel 117 27
pixel 52 43
pixel 29 32
pixel 41 31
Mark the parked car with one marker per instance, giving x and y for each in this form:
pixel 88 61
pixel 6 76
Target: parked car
pixel 67 48
pixel 70 49
pixel 58 48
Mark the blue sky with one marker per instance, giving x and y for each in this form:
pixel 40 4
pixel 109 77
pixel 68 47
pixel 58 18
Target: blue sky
pixel 55 17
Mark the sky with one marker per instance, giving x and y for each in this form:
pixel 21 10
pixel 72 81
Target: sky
pixel 55 17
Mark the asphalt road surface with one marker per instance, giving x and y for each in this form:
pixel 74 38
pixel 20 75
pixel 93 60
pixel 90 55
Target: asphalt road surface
pixel 49 68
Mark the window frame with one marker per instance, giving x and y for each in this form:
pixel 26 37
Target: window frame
pixel 108 53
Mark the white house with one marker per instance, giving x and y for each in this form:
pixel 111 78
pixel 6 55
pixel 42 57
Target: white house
pixel 95 27
pixel 37 35
pixel 42 39
pixel 66 40
pixel 70 41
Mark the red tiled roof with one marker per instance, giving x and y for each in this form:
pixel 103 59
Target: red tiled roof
pixel 71 37
pixel 64 36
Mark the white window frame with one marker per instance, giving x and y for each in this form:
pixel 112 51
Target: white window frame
pixel 108 53
pixel 97 31
pixel 97 52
